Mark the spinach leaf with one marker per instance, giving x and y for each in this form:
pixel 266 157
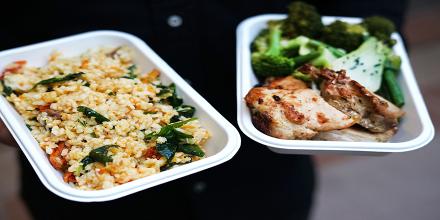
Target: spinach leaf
pixel 87 160
pixel 92 113
pixel 174 137
pixel 130 74
pixel 167 150
pixel 186 110
pixel 180 135
pixel 98 155
pixel 172 126
pixel 192 149
pixel 67 77
pixel 7 91
pixel 169 94
pixel 171 164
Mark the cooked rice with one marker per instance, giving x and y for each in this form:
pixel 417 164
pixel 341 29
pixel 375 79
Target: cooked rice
pixel 132 105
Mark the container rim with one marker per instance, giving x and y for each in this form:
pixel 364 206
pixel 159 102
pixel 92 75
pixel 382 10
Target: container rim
pixel 64 190
pixel 424 137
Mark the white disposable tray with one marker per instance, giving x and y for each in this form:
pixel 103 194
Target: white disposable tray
pixel 222 146
pixel 415 129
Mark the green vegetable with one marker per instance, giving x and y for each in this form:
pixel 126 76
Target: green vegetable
pixel 192 149
pixel 186 111
pixel 303 19
pixel 67 77
pixel 303 45
pixel 337 52
pixel 169 94
pixel 365 64
pixel 301 76
pixel 78 170
pixel 172 164
pixel 300 60
pixel 343 35
pixel 98 155
pixel 87 160
pixel 291 47
pixel 92 113
pixel 391 70
pixel 29 127
pixel 261 42
pixel 93 134
pixel 173 136
pixel 271 62
pixel 393 87
pixel 7 91
pixel 131 72
pixel 325 59
pixel 168 130
pixel 381 28
pixel 167 149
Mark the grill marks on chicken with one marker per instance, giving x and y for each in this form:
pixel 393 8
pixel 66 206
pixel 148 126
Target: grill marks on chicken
pixel 370 110
pixel 298 114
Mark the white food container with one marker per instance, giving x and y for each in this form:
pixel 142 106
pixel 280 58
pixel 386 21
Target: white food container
pixel 222 146
pixel 415 128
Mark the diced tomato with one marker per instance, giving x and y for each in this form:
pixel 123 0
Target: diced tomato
pixel 68 177
pixel 84 63
pixel 17 65
pixel 55 157
pixel 152 153
pixel 43 108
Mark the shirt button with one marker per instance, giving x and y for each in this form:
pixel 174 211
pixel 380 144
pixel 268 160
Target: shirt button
pixel 175 21
pixel 199 187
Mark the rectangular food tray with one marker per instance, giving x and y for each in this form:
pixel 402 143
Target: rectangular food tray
pixel 222 145
pixel 415 128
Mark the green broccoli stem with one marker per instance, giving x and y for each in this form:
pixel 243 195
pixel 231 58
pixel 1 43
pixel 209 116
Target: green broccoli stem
pixel 274 41
pixel 301 76
pixel 393 87
pixel 300 60
pixel 335 51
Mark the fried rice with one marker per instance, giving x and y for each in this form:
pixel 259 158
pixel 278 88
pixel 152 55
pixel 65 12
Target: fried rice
pixel 124 128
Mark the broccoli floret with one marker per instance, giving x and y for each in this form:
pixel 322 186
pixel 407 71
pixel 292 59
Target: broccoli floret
pixel 291 47
pixel 303 19
pixel 271 62
pixel 261 42
pixel 343 35
pixel 381 28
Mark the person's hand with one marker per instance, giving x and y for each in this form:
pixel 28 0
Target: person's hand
pixel 6 137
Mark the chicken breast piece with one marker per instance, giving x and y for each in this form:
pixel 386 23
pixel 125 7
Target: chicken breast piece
pixel 370 110
pixel 355 135
pixel 299 114
pixel 288 82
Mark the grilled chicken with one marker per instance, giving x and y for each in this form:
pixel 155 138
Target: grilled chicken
pixel 370 110
pixel 288 82
pixel 354 134
pixel 298 114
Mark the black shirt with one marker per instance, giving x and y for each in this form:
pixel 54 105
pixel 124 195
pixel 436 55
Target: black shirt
pixel 200 46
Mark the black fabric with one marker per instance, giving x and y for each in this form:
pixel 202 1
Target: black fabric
pixel 256 183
